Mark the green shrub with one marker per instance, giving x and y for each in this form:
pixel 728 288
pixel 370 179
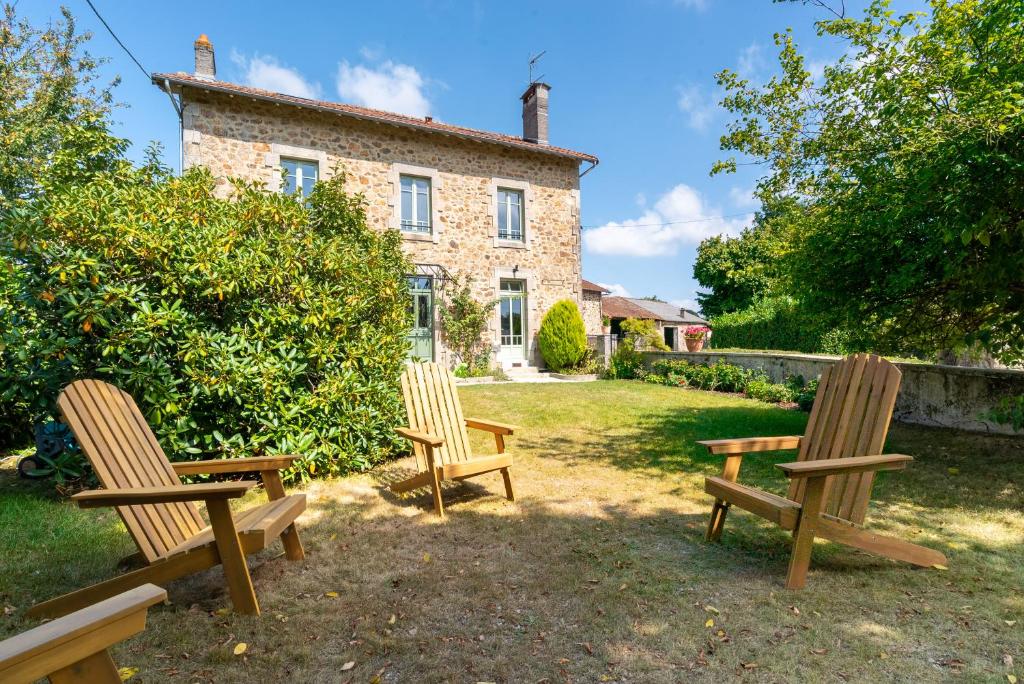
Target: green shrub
pixel 257 323
pixel 768 391
pixel 563 336
pixel 776 323
pixel 464 321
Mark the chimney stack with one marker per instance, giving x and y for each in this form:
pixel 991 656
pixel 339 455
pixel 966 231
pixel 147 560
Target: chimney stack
pixel 206 65
pixel 535 113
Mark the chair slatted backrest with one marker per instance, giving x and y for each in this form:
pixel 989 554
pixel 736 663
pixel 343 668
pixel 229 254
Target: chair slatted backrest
pixel 116 439
pixel 851 414
pixel 432 402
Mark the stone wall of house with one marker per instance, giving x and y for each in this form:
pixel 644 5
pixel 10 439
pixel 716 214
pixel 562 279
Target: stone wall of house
pixel 591 309
pixel 930 394
pixel 235 136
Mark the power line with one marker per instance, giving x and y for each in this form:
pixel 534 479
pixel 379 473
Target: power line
pixel 114 36
pixel 671 223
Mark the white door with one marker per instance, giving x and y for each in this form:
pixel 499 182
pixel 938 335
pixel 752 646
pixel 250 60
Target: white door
pixel 512 314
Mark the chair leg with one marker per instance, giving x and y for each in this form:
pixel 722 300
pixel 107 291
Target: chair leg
pixel 99 668
pixel 803 535
pixel 888 547
pixel 290 536
pixel 232 557
pixel 507 477
pixel 717 522
pixel 435 485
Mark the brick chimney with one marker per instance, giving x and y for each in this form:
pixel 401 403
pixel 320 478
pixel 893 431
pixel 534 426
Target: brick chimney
pixel 535 113
pixel 206 65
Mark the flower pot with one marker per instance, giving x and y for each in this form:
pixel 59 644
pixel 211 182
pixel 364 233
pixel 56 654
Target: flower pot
pixel 694 344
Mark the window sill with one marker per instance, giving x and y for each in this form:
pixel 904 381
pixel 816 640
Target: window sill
pixel 417 237
pixel 510 244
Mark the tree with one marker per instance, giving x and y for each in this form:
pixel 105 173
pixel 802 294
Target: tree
pixel 53 117
pixel 464 320
pixel 563 336
pixel 907 159
pixel 738 271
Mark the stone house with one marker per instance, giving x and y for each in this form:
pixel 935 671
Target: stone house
pixel 500 210
pixel 593 317
pixel 670 320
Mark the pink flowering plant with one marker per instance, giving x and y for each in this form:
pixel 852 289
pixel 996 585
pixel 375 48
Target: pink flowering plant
pixel 696 332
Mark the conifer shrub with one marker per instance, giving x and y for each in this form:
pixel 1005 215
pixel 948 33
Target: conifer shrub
pixel 563 336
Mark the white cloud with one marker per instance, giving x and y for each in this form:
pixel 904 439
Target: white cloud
pixel 389 86
pixel 616 289
pixel 751 61
pixel 744 198
pixel 699 107
pixel 266 72
pixel 678 218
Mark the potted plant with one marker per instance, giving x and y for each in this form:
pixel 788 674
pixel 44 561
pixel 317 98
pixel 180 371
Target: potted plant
pixel 606 325
pixel 695 335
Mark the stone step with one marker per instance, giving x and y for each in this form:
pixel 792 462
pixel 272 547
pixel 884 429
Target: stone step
pixel 521 370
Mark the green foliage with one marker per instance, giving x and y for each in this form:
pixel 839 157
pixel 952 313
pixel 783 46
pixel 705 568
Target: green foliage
pixel 464 321
pixel 726 377
pixel 804 393
pixel 252 324
pixel 777 323
pixel 54 120
pixel 1009 411
pixel 643 334
pixel 562 337
pixel 739 271
pixel 625 363
pixel 908 157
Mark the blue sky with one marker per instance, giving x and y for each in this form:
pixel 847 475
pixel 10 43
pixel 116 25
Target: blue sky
pixel 632 82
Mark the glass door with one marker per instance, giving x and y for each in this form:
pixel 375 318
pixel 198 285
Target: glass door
pixel 512 309
pixel 421 312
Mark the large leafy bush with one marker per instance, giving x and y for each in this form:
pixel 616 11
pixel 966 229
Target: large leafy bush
pixel 241 325
pixel 563 336
pixel 777 323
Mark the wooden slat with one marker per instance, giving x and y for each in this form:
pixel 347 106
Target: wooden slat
pixel 778 510
pixel 852 464
pixel 478 466
pixel 125 454
pixel 57 644
pixel 414 418
pixel 749 445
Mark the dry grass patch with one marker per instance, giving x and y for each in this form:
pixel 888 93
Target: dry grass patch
pixel 598 573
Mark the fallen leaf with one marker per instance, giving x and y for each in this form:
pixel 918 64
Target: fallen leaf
pixel 331 594
pixel 240 647
pixel 392 619
pixel 222 611
pixel 819 651
pixel 953 471
pixel 1012 678
pixel 586 647
pixel 749 666
pixel 334 536
pixel 711 609
pixel 426 557
pixel 126 673
pixel 709 623
pixel 795 610
pixel 622 587
pixel 348 666
pixel 1010 623
pixel 939 566
pixel 883 655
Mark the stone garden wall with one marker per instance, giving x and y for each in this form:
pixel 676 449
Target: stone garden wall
pixel 930 394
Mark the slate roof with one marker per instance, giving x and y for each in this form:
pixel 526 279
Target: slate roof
pixel 183 79
pixel 631 307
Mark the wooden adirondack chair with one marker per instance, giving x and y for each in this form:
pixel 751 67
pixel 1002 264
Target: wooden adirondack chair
pixel 437 431
pixel 831 479
pixel 158 509
pixel 74 648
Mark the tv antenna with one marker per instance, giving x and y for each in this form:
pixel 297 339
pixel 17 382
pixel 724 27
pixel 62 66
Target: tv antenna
pixel 533 62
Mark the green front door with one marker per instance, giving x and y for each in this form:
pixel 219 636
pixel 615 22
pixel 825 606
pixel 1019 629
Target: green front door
pixel 421 311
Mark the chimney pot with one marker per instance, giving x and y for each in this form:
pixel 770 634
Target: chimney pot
pixel 535 113
pixel 206 65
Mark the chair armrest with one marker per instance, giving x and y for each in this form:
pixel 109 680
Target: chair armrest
pixel 234 465
pixel 746 445
pixel 60 643
pixel 845 466
pixel 422 437
pixel 135 496
pixel 490 426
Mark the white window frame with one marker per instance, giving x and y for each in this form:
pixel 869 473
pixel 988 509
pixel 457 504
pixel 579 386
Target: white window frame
pixel 272 163
pixel 525 211
pixel 415 223
pixel 299 176
pixel 505 209
pixel 436 202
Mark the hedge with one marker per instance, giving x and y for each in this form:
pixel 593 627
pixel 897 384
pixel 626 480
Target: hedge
pixel 775 323
pixel 256 323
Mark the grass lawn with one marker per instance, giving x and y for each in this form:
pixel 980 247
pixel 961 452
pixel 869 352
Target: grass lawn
pixel 598 572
